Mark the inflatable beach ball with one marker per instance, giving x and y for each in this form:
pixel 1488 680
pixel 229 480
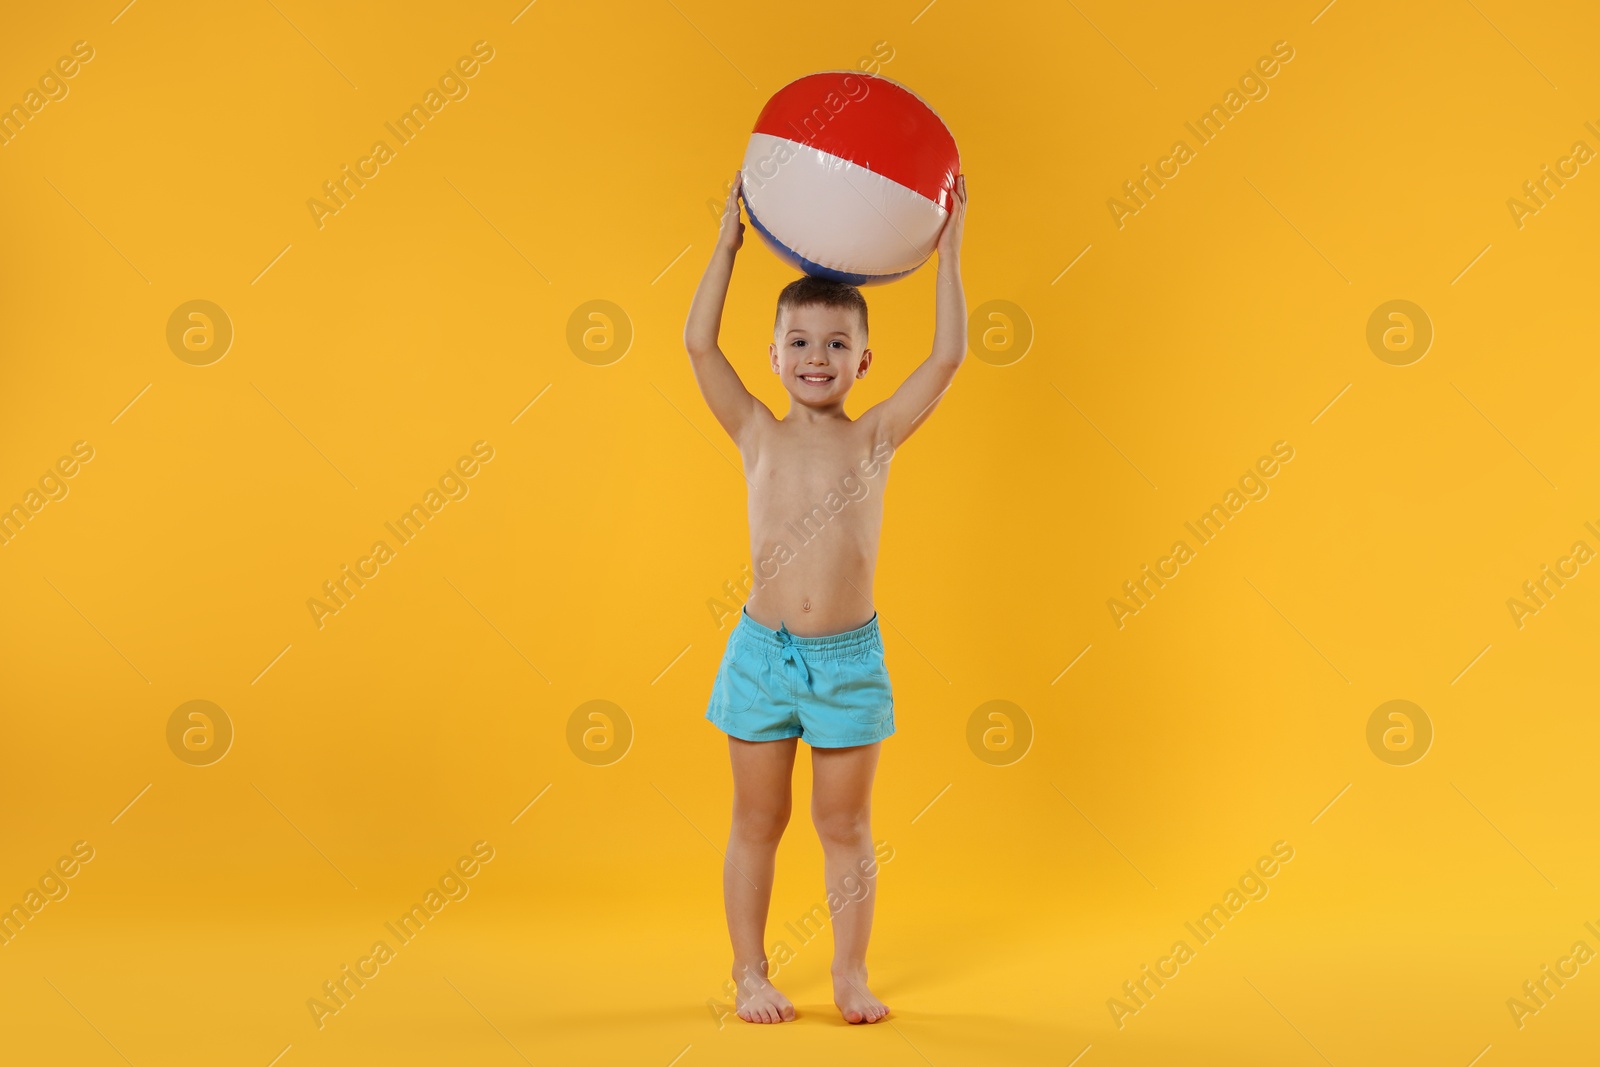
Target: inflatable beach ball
pixel 849 176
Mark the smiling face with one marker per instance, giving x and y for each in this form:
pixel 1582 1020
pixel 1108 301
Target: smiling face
pixel 818 353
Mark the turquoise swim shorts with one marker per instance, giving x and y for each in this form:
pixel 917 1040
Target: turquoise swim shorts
pixel 831 691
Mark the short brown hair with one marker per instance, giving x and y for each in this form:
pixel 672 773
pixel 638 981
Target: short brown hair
pixel 807 291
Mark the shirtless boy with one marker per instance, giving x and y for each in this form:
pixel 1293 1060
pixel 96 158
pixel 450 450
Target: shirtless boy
pixel 806 659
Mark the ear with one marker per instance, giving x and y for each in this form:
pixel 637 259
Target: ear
pixel 866 361
pixel 772 354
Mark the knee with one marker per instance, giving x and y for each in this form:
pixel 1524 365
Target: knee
pixel 760 823
pixel 842 829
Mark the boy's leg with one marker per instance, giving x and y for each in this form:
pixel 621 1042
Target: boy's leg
pixel 761 799
pixel 841 807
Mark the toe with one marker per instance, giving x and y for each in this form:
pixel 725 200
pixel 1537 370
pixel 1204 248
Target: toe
pixel 852 1016
pixel 788 1013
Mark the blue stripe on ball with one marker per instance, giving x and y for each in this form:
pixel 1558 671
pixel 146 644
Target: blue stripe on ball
pixel 817 270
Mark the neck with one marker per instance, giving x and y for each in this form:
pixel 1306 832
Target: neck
pixel 811 414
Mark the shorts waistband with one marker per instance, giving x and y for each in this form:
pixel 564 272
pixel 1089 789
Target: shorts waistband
pixel 864 636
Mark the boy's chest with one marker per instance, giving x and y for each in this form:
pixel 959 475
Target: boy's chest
pixel 805 470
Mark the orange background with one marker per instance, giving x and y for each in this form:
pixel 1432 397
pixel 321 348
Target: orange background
pixel 368 355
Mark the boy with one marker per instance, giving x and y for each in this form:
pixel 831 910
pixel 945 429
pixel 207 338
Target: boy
pixel 813 551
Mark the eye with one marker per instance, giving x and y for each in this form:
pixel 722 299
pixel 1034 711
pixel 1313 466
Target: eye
pixel 797 343
pixel 838 344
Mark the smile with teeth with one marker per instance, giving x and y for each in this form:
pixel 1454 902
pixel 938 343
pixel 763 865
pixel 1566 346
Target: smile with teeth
pixel 816 379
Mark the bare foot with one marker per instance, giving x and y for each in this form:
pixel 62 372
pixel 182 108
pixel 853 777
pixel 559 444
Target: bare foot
pixel 758 1000
pixel 856 1002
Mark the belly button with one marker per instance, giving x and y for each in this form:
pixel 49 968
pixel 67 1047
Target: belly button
pixel 806 606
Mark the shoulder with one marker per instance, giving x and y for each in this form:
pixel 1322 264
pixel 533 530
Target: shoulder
pixel 874 445
pixel 758 429
pixel 872 425
pixel 878 433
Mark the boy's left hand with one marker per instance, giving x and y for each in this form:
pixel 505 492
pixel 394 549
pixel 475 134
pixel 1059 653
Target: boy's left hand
pixel 950 236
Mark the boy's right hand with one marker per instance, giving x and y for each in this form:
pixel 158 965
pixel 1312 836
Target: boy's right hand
pixel 731 235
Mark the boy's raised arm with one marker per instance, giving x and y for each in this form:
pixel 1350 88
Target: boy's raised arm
pixel 919 394
pixel 725 394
